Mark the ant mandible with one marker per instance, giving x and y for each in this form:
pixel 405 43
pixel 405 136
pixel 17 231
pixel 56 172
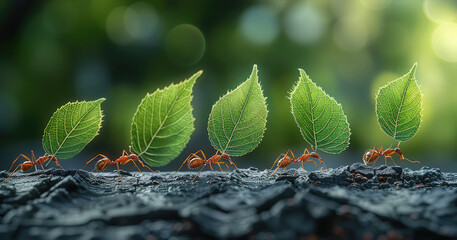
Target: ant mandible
pixel 306 157
pixel 372 155
pixel 122 160
pixel 26 165
pixel 197 161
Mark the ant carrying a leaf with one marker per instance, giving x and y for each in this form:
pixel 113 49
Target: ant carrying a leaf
pixel 372 155
pixel 194 161
pixel 122 160
pixel 286 160
pixel 26 165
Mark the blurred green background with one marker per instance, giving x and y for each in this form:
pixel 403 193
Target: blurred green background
pixel 56 51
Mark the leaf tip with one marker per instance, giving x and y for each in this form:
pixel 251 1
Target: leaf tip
pixel 100 100
pixel 413 68
pixel 198 74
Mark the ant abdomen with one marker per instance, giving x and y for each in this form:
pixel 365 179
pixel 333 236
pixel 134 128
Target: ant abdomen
pixel 101 164
pixel 284 162
pixel 25 166
pixel 195 163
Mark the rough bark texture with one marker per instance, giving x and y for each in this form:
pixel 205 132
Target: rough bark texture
pixel 348 202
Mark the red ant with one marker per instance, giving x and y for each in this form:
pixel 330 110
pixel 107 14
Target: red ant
pixel 122 160
pixel 286 160
pixel 26 165
pixel 372 155
pixel 197 161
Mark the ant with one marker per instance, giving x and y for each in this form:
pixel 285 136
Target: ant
pixel 26 165
pixel 286 160
pixel 195 161
pixel 372 155
pixel 122 160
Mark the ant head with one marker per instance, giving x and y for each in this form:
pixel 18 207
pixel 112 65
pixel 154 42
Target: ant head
pixel 133 156
pixel 370 156
pixel 284 162
pixel 195 162
pixel 101 164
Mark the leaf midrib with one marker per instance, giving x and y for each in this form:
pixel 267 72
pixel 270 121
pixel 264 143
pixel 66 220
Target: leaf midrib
pixel 165 119
pixel 77 124
pixel 401 104
pixel 312 115
pixel 239 118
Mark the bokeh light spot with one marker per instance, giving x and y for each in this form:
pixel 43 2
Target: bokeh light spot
pixel 441 10
pixel 115 26
pixel 350 33
pixel 444 42
pixel 259 25
pixel 185 45
pixel 142 22
pixel 304 24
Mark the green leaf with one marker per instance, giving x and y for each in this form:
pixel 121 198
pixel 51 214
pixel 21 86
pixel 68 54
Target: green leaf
pixel 163 123
pixel 320 118
pixel 237 120
pixel 399 106
pixel 72 127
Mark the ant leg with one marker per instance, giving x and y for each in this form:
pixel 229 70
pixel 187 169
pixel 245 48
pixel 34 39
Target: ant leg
pixel 225 165
pixel 291 153
pixel 119 171
pixel 311 160
pixel 58 165
pixel 124 153
pixel 99 155
pixel 219 164
pixel 320 161
pixel 11 173
pixel 411 161
pixel 199 151
pixel 282 154
pixel 306 151
pixel 103 169
pixel 211 166
pixel 145 166
pixel 20 155
pixel 34 160
pixel 233 164
pixel 187 159
pixel 298 165
pixel 198 174
pixel 96 175
pixel 274 172
pixel 391 159
pixel 376 148
pixel 131 160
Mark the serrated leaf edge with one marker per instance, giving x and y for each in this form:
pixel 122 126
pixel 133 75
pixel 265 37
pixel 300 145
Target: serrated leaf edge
pixel 254 71
pixel 159 90
pixel 413 72
pixel 303 77
pixel 100 100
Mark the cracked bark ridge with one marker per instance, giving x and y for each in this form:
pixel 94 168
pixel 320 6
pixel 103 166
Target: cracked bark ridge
pixel 348 202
